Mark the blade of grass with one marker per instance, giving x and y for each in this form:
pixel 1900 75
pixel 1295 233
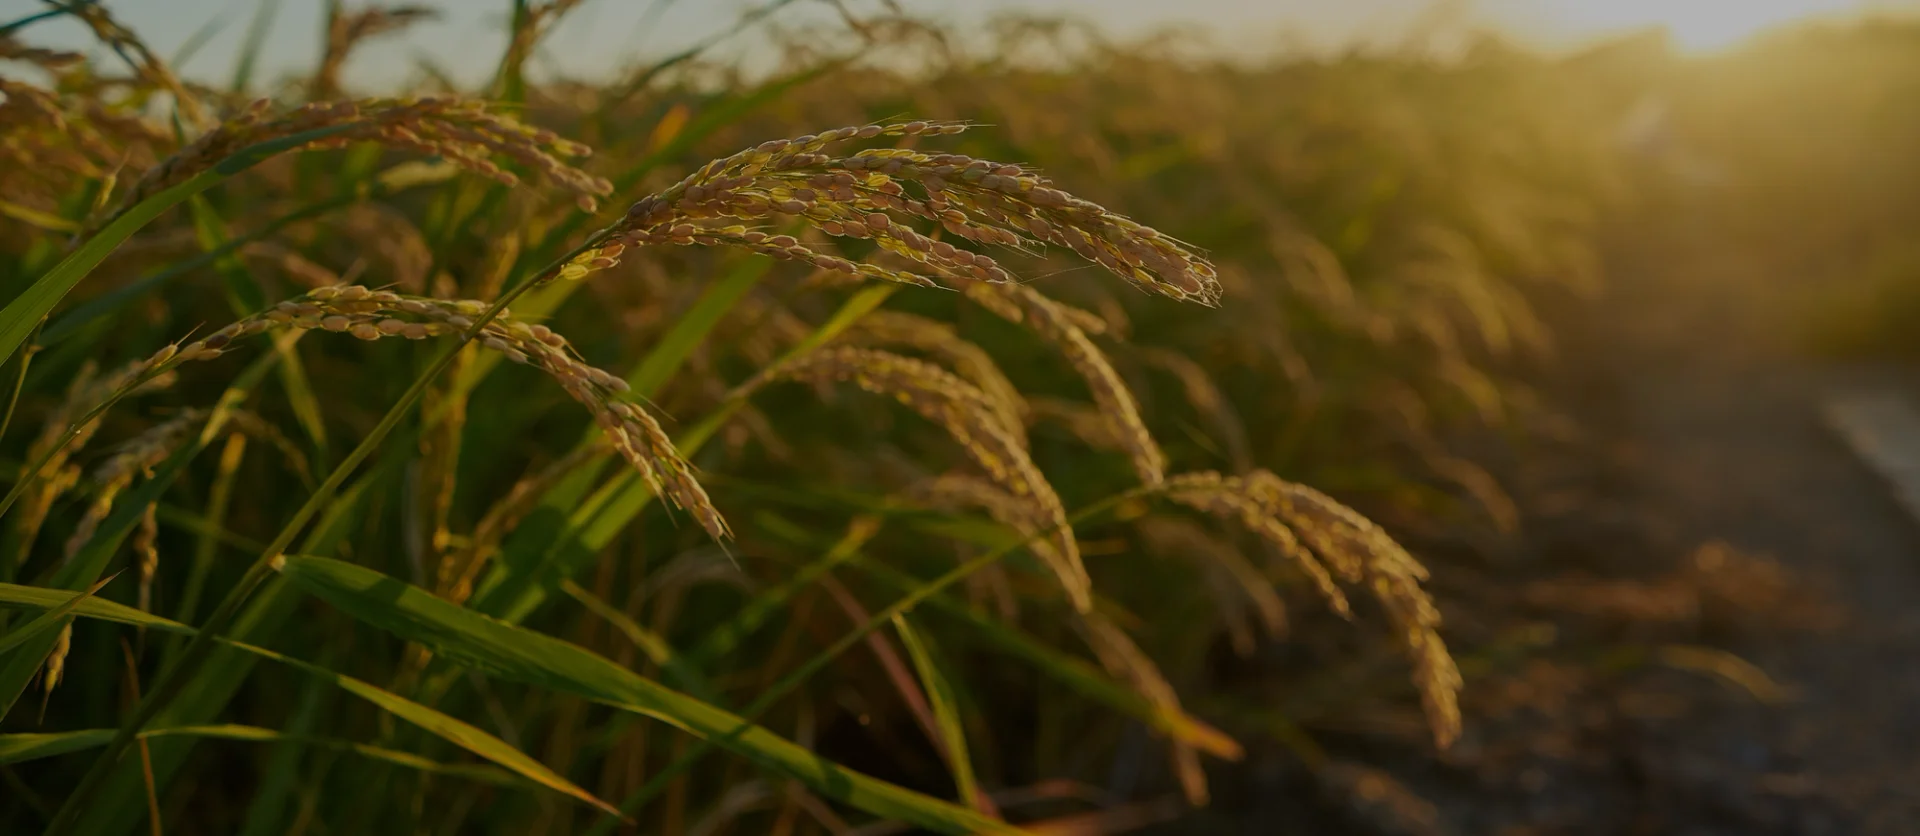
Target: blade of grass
pixel 249 55
pixel 206 697
pixel 194 42
pixel 946 714
pixel 52 619
pixel 15 748
pixel 447 728
pixel 517 654
pixel 13 403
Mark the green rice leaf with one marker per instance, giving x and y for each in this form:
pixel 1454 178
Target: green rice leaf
pixel 946 714
pixel 440 725
pixel 15 748
pixel 52 619
pixel 513 653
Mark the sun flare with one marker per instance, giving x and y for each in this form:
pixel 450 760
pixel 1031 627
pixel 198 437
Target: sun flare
pixel 1696 25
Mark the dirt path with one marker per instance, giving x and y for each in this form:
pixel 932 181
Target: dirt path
pixel 1721 410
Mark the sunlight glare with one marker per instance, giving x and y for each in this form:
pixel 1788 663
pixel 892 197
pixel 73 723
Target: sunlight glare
pixel 1696 25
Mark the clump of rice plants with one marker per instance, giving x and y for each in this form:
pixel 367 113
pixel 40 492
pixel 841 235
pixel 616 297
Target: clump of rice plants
pixel 917 403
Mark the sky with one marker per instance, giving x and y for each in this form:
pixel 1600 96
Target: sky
pixel 604 35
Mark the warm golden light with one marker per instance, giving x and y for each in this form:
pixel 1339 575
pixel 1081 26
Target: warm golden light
pixel 1697 25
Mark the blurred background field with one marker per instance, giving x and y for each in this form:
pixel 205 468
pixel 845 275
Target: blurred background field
pixel 1552 293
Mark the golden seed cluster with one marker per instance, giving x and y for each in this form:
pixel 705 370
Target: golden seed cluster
pixel 972 419
pixel 1359 551
pixel 370 314
pixel 865 196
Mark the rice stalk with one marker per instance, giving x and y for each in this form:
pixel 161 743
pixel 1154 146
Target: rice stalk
pixel 153 71
pixel 347 29
pixel 64 431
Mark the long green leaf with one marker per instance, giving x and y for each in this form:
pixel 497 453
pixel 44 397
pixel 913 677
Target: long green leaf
pixel 513 653
pixel 52 619
pixel 15 748
pixel 250 49
pixel 20 316
pixel 206 698
pixel 946 713
pixel 447 728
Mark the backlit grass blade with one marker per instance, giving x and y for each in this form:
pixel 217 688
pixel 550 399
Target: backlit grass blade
pixel 946 715
pixel 440 725
pixel 51 620
pixel 508 652
pixel 20 316
pixel 250 48
pixel 15 748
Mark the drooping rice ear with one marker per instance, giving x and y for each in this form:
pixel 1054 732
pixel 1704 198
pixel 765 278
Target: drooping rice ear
pixel 1288 514
pixel 865 196
pixel 377 314
pixel 1053 323
pixel 972 420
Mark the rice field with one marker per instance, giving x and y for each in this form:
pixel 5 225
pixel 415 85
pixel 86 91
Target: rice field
pixel 932 434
